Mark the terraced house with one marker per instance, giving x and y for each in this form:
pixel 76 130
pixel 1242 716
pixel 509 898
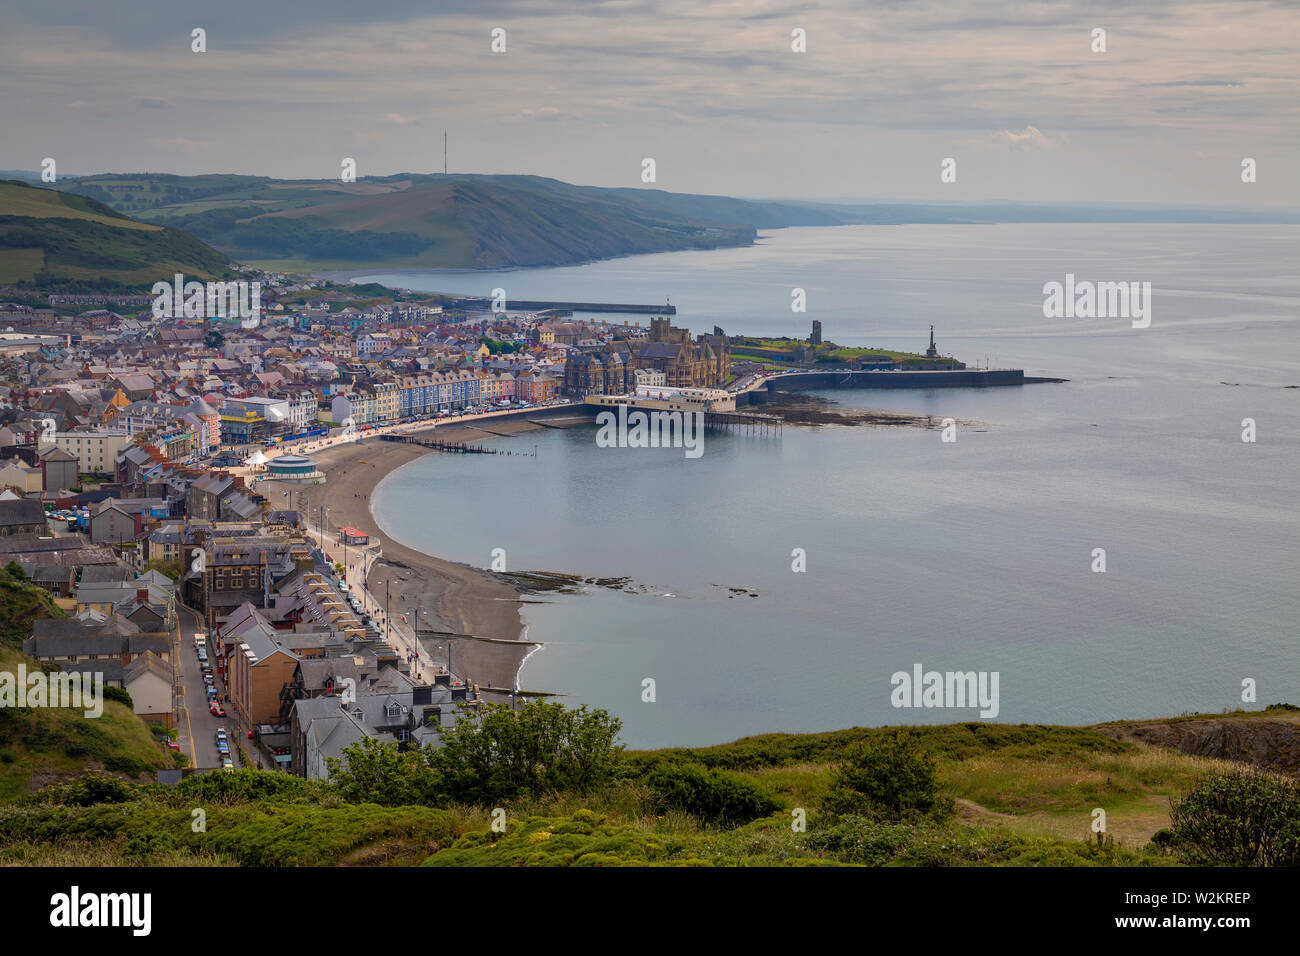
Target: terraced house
pixel 418 395
pixel 360 405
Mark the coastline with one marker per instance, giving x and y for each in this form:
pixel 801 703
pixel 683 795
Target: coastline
pixel 472 613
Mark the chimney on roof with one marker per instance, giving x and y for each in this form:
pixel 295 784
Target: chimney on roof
pixel 142 595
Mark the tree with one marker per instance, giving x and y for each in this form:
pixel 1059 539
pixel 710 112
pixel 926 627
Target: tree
pixel 494 753
pixel 1240 818
pixel 376 771
pixel 172 569
pixel 214 339
pixel 889 779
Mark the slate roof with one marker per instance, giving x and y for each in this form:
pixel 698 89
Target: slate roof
pixel 21 511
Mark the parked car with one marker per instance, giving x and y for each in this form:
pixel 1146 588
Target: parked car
pixel 227 765
pixel 216 710
pixel 212 694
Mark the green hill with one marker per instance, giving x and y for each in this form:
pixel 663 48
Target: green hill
pixel 434 221
pixel 1010 795
pixel 43 746
pixel 55 239
pixel 21 605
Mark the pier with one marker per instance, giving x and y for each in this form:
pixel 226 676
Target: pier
pixel 761 426
pixel 438 445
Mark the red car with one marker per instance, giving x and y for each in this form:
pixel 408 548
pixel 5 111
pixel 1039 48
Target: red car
pixel 216 710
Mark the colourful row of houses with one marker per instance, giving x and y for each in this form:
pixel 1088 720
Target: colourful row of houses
pixel 432 392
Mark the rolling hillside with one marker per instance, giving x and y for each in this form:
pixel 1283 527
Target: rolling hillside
pixel 1019 795
pixel 434 221
pixel 57 239
pixel 42 746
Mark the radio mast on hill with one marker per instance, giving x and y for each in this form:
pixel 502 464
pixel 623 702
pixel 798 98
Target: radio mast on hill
pixel 444 152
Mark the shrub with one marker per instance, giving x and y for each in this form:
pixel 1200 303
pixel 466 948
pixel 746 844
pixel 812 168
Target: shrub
pixel 118 694
pixel 889 779
pixel 89 789
pixel 495 753
pixel 1240 818
pixel 375 771
pixel 131 766
pixel 239 786
pixel 715 796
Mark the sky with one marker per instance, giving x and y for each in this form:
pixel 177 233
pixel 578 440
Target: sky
pixel 711 91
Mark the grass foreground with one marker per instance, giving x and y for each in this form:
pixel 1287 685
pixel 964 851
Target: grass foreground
pixel 1024 795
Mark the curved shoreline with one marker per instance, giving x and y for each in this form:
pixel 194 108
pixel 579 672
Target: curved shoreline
pixel 458 604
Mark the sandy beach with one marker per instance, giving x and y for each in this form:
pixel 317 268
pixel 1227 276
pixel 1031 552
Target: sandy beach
pixel 468 612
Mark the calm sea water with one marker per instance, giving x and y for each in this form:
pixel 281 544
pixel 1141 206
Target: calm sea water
pixel 974 555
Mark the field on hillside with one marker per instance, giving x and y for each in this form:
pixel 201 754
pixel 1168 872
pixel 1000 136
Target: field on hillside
pixel 51 237
pixel 431 221
pixel 1024 795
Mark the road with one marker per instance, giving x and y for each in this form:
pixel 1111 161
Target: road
pixel 358 562
pixel 197 727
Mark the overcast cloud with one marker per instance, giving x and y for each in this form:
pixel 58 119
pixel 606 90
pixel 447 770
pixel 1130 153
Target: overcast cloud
pixel 711 91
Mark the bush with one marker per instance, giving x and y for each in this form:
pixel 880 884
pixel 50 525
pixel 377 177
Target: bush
pixel 89 789
pixel 375 771
pixel 889 779
pixel 118 694
pixel 1241 818
pixel 242 785
pixel 714 796
pixel 131 766
pixel 495 753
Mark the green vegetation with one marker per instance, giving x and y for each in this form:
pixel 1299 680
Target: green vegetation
pixel 173 569
pixel 548 786
pixel 888 779
pixel 497 347
pixel 434 221
pixel 786 350
pixel 43 745
pixel 1240 818
pixel 21 606
pixel 714 796
pixel 492 754
pixel 56 240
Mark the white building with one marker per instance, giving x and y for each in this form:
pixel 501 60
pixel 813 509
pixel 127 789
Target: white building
pixel 373 343
pixel 96 451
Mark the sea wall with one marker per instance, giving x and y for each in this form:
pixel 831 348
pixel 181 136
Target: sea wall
pixel 957 378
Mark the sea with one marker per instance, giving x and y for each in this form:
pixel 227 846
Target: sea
pixel 1109 547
